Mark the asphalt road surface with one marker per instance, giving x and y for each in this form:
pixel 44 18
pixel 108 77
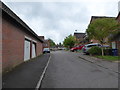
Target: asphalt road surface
pixel 67 70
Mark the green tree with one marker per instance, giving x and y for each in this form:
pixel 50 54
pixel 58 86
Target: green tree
pixel 100 29
pixel 69 41
pixel 52 43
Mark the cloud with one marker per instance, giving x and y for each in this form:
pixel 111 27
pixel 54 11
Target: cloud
pixel 56 20
pixel 60 1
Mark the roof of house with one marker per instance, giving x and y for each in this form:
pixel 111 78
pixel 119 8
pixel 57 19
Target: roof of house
pixel 10 13
pixel 79 35
pixel 98 17
pixel 42 37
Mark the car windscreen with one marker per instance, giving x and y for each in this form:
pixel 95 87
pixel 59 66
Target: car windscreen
pixel 46 49
pixel 91 45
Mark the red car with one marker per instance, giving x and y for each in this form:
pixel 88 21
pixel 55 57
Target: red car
pixel 76 48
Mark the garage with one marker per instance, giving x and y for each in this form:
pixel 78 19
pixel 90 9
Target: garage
pixel 26 50
pixel 17 40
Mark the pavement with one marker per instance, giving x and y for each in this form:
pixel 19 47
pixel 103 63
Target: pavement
pixel 27 74
pixel 67 70
pixel 113 66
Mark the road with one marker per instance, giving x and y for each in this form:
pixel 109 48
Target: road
pixel 67 70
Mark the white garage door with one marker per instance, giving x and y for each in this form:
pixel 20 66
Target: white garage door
pixel 26 50
pixel 33 50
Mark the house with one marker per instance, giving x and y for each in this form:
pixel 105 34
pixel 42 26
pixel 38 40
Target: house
pixel 85 39
pixel 94 18
pixel 46 42
pixel 19 42
pixel 79 37
pixel 116 38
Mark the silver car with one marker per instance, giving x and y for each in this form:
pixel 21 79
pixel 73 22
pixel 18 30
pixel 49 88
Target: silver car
pixel 46 50
pixel 88 46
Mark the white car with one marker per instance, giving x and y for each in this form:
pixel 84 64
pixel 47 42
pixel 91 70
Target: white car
pixel 88 46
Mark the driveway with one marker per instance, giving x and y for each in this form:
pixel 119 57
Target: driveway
pixel 67 70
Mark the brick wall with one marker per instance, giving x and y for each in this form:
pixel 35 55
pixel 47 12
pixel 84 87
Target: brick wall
pixel 118 47
pixel 39 48
pixel 13 44
pixel 46 44
pixel 118 42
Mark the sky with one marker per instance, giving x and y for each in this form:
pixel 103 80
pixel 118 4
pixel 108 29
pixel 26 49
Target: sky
pixel 57 19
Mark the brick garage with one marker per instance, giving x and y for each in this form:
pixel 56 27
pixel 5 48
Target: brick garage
pixel 15 34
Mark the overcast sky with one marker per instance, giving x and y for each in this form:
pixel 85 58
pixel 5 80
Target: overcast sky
pixel 56 20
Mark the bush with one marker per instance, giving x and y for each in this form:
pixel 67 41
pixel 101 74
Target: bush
pixel 107 51
pixel 95 50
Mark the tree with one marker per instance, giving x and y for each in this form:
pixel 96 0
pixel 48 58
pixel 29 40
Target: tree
pixel 69 41
pixel 100 29
pixel 52 43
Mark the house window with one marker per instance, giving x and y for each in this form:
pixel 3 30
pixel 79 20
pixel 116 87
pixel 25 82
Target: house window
pixel 113 45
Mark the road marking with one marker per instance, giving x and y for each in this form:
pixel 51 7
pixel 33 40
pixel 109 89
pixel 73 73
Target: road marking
pixel 41 77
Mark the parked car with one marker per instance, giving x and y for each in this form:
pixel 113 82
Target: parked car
pixel 46 50
pixel 76 48
pixel 88 46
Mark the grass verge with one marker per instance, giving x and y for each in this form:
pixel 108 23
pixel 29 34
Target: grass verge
pixel 110 58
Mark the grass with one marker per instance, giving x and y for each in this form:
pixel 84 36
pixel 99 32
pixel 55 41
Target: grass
pixel 79 51
pixel 110 58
